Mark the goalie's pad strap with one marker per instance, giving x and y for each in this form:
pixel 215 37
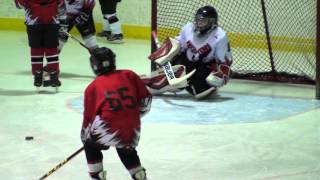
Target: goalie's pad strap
pixel 219 76
pixel 168 50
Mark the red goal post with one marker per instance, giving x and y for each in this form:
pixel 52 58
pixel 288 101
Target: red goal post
pixel 270 40
pixel 318 52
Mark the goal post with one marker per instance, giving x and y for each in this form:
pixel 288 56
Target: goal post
pixel 270 40
pixel 318 52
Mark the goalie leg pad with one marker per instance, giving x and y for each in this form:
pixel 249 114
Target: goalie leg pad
pixel 157 82
pixel 200 89
pixel 168 50
pixel 205 93
pixel 200 94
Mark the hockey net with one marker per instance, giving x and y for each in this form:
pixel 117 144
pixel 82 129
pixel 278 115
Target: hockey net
pixel 270 40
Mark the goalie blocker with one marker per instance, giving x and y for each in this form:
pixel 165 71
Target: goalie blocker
pixel 166 53
pixel 169 49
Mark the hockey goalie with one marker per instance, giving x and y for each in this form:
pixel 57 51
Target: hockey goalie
pixel 201 45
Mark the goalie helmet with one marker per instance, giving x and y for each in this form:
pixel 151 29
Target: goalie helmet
pixel 206 19
pixel 102 60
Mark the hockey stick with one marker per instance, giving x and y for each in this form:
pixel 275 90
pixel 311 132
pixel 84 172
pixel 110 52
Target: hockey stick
pixel 167 68
pixel 61 164
pixel 83 45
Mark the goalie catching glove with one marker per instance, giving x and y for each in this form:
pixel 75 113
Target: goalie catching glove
pixel 219 75
pixel 168 50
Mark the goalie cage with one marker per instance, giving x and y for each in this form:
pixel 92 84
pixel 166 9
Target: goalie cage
pixel 267 43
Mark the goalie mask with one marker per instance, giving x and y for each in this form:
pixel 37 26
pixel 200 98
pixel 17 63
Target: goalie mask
pixel 206 19
pixel 102 60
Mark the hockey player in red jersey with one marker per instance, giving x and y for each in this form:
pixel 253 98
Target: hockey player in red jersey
pixel 113 104
pixel 201 45
pixel 42 18
pixel 79 14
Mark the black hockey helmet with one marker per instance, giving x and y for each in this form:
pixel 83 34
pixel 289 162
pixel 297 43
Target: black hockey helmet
pixel 102 60
pixel 206 19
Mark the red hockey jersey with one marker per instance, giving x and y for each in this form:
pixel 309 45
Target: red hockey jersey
pixel 114 98
pixel 42 11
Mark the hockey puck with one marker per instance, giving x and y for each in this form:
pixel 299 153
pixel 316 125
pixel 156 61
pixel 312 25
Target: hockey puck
pixel 28 138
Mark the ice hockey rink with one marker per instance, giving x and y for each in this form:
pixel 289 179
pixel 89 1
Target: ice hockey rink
pixel 248 131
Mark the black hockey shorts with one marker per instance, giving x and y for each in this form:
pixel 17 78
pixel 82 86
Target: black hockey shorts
pixel 108 6
pixel 43 35
pixel 198 79
pixel 87 28
pixel 128 156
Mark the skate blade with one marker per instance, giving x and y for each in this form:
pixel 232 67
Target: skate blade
pixel 116 42
pixel 46 88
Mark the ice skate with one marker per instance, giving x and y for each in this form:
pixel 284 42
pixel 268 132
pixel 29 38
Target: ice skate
pixel 140 174
pixel 54 81
pixel 103 175
pixel 49 84
pixel 104 34
pixel 38 78
pixel 115 38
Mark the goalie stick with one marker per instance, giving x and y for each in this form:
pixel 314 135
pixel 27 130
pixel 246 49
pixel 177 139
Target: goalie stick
pixel 61 164
pixel 167 68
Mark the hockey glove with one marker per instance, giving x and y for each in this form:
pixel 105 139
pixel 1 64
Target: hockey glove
pixel 219 77
pixel 168 50
pixel 81 18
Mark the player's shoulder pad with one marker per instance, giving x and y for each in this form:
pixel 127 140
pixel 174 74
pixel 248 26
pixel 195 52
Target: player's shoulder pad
pixel 128 72
pixel 221 34
pixel 187 27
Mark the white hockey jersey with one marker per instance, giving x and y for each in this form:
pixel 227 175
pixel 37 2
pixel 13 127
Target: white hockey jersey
pixel 74 7
pixel 213 46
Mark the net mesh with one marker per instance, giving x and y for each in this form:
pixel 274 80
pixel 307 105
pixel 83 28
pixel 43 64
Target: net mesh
pixel 288 55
